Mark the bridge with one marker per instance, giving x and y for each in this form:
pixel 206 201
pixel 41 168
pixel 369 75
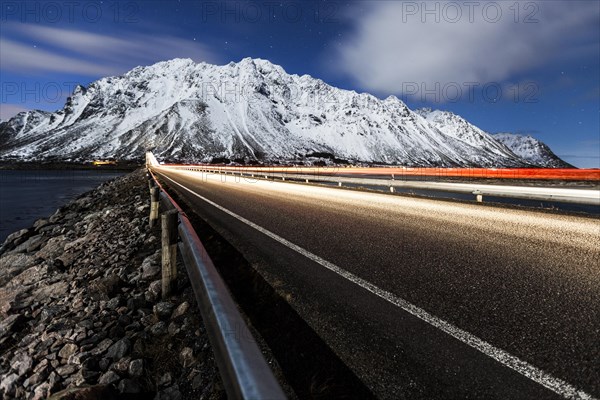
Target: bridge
pixel 416 297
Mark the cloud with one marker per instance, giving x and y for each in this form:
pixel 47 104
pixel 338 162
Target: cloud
pixel 89 54
pixel 392 46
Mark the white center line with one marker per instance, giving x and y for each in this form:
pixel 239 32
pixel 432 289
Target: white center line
pixel 535 374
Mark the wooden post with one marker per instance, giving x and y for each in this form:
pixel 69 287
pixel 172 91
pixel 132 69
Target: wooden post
pixel 169 234
pixel 150 181
pixel 154 192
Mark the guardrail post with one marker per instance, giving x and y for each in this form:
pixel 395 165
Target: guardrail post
pixel 150 182
pixel 169 234
pixel 154 204
pixel 478 196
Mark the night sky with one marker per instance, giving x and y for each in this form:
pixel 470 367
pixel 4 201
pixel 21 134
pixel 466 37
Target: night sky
pixel 530 67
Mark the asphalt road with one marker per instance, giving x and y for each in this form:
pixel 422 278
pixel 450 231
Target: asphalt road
pixel 423 298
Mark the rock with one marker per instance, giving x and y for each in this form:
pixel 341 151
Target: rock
pixel 21 363
pixel 159 329
pixel 16 238
pixel 102 347
pixel 186 357
pixel 53 291
pixel 165 379
pixel 53 248
pixel 35 379
pixel 180 310
pixel 135 302
pixel 105 288
pixel 68 350
pixel 113 303
pixel 119 349
pixel 66 370
pixel 8 384
pixel 108 378
pixel 170 393
pixel 154 290
pixel 48 228
pixel 136 368
pixel 90 364
pixel 129 386
pixel 90 377
pixel 30 245
pixel 173 329
pixel 40 223
pixel 124 320
pixel 97 392
pixel 103 364
pixel 48 313
pixel 122 366
pixel 150 266
pixel 163 310
pixel 11 324
pixel 58 264
pixel 30 276
pixel 86 323
pixel 197 381
pixel 41 366
pixel 116 332
pixel 57 216
pixel 79 358
pixel 14 264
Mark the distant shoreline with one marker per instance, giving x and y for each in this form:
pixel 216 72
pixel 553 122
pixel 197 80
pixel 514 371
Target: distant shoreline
pixel 23 166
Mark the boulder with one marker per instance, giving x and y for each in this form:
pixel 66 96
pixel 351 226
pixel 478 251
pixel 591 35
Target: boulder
pixel 13 264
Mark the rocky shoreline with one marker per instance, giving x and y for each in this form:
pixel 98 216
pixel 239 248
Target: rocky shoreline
pixel 66 166
pixel 81 314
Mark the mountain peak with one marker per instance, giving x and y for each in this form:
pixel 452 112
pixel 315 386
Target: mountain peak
pixel 191 111
pixel 532 150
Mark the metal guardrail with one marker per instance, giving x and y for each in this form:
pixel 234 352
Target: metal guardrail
pixel 244 370
pixel 562 195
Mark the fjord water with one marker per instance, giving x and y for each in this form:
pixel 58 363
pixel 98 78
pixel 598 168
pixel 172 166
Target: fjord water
pixel 26 196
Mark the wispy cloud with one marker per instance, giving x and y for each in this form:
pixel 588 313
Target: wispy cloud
pixel 86 53
pixel 395 43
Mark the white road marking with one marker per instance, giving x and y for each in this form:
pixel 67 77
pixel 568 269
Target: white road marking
pixel 535 374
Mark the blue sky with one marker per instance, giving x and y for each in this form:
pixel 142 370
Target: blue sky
pixel 529 66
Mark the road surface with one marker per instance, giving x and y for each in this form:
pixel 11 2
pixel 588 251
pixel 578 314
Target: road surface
pixel 423 298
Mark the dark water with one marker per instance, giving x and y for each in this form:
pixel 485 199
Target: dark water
pixel 26 196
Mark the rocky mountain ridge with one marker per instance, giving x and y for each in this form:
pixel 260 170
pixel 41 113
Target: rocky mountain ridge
pixel 250 110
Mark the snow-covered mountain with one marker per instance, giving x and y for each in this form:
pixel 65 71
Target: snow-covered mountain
pixel 251 109
pixel 531 150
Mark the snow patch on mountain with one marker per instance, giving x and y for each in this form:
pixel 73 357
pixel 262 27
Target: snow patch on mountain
pixel 250 110
pixel 532 150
